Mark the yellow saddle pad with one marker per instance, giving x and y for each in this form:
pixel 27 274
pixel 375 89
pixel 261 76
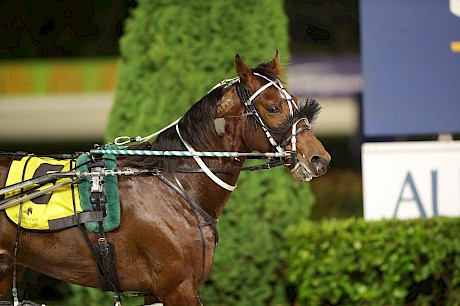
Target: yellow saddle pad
pixel 37 212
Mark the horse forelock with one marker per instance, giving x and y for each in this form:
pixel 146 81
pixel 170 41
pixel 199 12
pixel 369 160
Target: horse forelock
pixel 309 109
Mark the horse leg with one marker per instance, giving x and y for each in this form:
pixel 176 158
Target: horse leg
pixel 185 294
pixel 6 273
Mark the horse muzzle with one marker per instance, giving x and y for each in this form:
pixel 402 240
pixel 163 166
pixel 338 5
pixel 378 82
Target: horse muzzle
pixel 306 171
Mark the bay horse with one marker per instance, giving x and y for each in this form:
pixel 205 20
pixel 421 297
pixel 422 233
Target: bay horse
pixel 163 248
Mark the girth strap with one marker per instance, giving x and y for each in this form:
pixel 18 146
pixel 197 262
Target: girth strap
pixel 103 251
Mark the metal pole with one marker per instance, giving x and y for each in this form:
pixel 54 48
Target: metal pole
pixel 35 194
pixel 38 180
pixel 188 153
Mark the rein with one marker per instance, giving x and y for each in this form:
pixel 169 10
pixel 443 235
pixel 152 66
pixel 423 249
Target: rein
pixel 196 209
pixel 188 153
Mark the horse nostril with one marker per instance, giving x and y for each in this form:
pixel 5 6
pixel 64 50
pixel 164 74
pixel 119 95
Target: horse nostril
pixel 319 163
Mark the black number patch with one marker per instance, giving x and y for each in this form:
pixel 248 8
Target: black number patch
pixel 42 170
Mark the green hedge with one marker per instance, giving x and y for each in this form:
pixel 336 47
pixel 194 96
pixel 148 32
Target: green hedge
pixel 173 52
pixel 92 296
pixel 391 262
pixel 248 268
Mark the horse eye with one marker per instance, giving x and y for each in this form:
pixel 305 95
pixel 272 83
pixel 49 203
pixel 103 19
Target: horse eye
pixel 273 109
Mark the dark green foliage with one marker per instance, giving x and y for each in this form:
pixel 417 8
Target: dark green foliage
pixel 92 296
pixel 338 195
pixel 172 53
pixel 248 268
pixel 393 262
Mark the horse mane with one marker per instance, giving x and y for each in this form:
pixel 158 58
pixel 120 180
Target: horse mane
pixel 196 127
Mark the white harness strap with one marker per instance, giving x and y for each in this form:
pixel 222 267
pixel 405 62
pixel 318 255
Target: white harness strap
pixel 203 166
pixel 293 134
pixel 283 92
pixel 260 90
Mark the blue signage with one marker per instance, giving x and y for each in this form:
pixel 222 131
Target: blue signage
pixel 411 67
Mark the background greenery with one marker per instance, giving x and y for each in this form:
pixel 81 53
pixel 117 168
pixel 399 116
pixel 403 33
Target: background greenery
pixel 248 268
pixel 163 71
pixel 172 53
pixel 389 262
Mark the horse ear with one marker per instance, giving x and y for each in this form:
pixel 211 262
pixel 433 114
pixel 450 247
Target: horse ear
pixel 275 65
pixel 244 72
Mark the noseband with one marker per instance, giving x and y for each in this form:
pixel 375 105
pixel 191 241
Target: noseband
pixel 247 100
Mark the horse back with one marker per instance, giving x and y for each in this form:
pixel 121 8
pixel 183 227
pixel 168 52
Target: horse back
pixel 4 166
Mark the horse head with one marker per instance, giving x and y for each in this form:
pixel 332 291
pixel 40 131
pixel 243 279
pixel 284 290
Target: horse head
pixel 277 121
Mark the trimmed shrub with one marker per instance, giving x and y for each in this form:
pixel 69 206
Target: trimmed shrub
pixel 390 262
pixel 173 52
pixel 248 268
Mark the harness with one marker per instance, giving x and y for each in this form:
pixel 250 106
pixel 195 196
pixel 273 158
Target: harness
pixel 103 252
pixel 251 110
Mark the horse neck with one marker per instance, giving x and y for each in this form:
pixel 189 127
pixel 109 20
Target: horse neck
pixel 204 192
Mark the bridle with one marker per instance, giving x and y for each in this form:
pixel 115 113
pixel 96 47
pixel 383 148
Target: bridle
pixel 251 110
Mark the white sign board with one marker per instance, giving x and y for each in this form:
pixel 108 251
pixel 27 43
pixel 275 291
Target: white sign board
pixel 411 179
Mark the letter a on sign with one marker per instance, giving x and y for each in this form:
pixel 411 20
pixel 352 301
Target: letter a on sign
pixel 414 198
